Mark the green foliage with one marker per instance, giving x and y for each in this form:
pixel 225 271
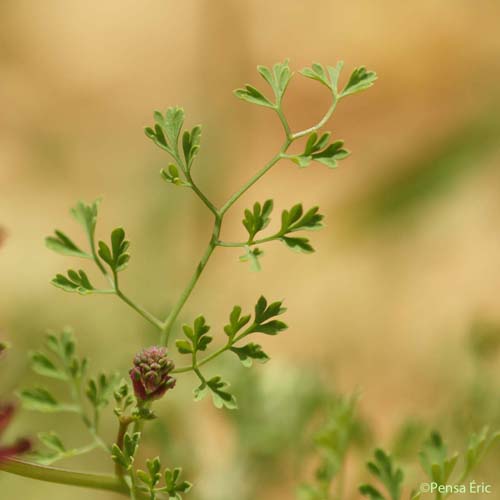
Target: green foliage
pixel 116 257
pixel 60 243
pixel 292 220
pixel 63 365
pixel 484 339
pixel 124 397
pixel 165 134
pixel 426 174
pixel 318 149
pixel 172 176
pixel 40 399
pixel 257 219
pixel 236 322
pixel 173 486
pixel 252 95
pixel 278 77
pixel 360 79
pixel 221 397
pixel 439 465
pixel 341 430
pixel 198 339
pixel 59 362
pixel 250 352
pixel 100 389
pixel 383 468
pixel 329 77
pixel 264 313
pixel 252 255
pixel 191 145
pixel 435 460
pixel 125 457
pixel 86 215
pixel 75 281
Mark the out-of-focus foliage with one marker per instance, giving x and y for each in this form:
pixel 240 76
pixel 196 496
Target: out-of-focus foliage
pixel 431 170
pixel 341 430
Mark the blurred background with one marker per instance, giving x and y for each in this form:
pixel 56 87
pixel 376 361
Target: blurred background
pixel 400 298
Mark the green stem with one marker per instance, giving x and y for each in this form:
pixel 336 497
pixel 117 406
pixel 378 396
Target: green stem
pixel 214 355
pixel 122 430
pixel 200 194
pixel 139 309
pixel 219 214
pixel 236 196
pixel 169 322
pixel 194 366
pixel 321 123
pixel 284 122
pixel 232 244
pixel 63 476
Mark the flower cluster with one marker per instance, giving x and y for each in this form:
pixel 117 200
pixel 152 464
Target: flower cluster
pixel 150 375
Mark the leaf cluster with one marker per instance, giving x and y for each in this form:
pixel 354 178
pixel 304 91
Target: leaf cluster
pixel 166 133
pixel 239 326
pixel 278 77
pixel 173 486
pixel 318 148
pixel 293 220
pixel 340 431
pixel 360 79
pixel 383 468
pixel 115 255
pixel 59 361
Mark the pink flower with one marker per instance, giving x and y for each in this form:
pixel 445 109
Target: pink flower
pixel 150 374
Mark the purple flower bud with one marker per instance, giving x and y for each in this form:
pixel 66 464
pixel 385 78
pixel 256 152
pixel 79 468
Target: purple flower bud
pixel 150 374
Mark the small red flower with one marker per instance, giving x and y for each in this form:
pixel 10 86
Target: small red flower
pixel 150 374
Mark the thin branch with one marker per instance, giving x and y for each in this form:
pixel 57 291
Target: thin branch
pixel 63 476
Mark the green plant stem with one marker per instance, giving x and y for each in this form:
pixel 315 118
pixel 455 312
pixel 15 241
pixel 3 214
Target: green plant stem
pixel 284 122
pixel 169 322
pixel 237 195
pixel 237 244
pixel 63 476
pixel 321 123
pixel 113 280
pixel 185 369
pixel 200 194
pixel 122 430
pixel 219 214
pixel 196 364
pixel 139 309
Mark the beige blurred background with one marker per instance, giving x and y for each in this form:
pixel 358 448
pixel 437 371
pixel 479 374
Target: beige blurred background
pixel 410 255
